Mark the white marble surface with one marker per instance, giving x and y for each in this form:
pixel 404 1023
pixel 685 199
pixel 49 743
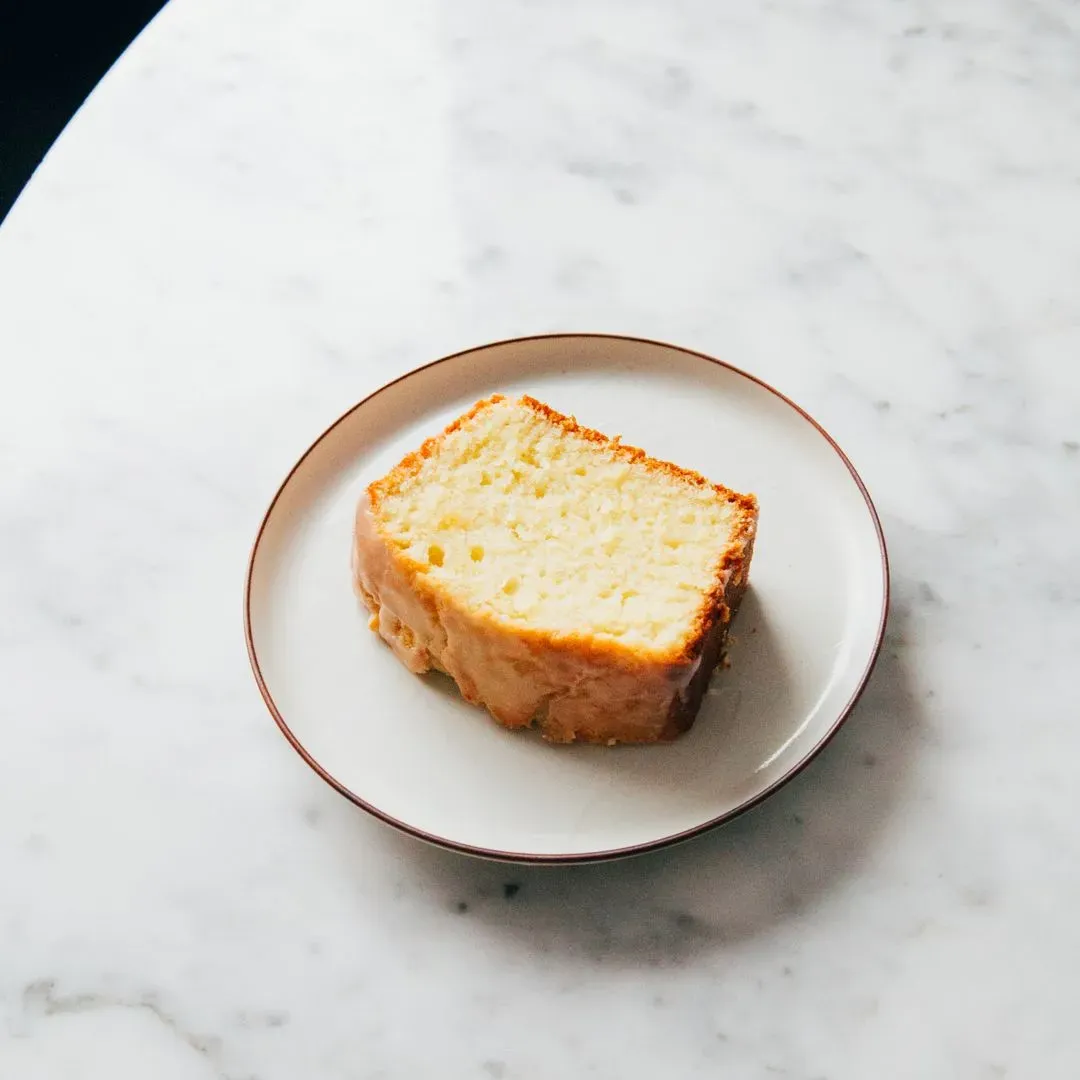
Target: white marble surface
pixel 267 209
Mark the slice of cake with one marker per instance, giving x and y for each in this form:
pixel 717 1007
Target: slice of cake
pixel 562 579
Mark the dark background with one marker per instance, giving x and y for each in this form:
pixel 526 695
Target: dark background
pixel 51 57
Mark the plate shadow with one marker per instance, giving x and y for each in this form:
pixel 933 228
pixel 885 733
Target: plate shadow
pixel 769 866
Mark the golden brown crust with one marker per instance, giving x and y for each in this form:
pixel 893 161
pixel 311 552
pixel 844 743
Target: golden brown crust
pixel 620 693
pixel 714 623
pixel 408 466
pixel 628 453
pixel 731 569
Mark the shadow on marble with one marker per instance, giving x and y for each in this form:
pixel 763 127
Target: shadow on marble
pixel 769 867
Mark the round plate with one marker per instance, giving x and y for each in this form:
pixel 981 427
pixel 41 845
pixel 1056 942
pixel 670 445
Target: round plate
pixel 410 751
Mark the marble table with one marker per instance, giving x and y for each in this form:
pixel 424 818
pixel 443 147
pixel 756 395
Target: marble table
pixel 270 207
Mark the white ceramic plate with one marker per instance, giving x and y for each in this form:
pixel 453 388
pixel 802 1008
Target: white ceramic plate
pixel 413 753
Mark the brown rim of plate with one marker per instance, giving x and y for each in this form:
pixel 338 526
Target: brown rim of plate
pixel 590 856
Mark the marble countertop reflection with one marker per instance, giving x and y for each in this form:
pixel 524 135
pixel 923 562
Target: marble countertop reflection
pixel 267 210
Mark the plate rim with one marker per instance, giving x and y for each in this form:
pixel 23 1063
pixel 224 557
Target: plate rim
pixel 562 859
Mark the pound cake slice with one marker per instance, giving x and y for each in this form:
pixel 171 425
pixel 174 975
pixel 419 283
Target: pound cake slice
pixel 562 579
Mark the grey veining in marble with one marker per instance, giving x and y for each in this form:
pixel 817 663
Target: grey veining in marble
pixel 268 209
